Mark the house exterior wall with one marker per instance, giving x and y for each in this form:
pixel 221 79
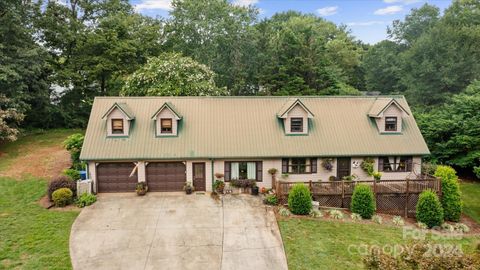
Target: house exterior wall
pixel 321 175
pixel 392 110
pixel 117 114
pixel 92 174
pixel 296 112
pixel 166 113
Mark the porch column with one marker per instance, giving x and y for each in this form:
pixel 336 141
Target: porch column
pixel 141 171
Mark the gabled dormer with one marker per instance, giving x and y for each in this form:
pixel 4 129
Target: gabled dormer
pixel 118 120
pixel 295 117
pixel 166 120
pixel 388 115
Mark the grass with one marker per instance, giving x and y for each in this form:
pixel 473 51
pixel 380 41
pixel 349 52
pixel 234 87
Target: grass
pixel 471 199
pixel 30 142
pixel 324 244
pixel 32 237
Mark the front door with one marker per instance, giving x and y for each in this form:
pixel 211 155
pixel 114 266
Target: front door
pixel 199 176
pixel 343 167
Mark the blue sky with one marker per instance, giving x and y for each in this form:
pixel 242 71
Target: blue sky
pixel 367 19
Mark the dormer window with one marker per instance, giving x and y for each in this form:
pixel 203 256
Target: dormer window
pixel 166 125
pixel 390 123
pixel 295 116
pixel 117 126
pixel 166 120
pixel 296 124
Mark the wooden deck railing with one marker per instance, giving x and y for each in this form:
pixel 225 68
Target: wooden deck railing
pixel 396 197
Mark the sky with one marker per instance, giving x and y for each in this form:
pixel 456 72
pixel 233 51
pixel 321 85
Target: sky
pixel 366 19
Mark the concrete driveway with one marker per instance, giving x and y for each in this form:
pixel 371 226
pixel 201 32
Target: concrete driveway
pixel 176 231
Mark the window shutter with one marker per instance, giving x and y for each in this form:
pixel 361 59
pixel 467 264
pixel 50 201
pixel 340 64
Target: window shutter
pixel 409 162
pixel 259 166
pixel 284 165
pixel 227 169
pixel 380 164
pixel 313 165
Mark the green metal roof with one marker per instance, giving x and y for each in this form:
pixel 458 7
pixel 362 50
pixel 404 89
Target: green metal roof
pixel 242 127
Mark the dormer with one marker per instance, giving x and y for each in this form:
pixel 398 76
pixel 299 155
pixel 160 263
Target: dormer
pixel 118 118
pixel 166 120
pixel 295 117
pixel 388 114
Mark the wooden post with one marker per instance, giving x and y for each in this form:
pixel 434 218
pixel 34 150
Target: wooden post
pixel 407 197
pixel 343 192
pixel 310 186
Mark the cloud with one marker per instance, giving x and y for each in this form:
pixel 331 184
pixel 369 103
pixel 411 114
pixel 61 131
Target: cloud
pixel 328 11
pixel 367 23
pixel 244 3
pixel 388 10
pixel 405 2
pixel 154 4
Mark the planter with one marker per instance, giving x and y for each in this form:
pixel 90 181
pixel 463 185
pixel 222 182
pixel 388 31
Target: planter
pixel 255 190
pixel 188 190
pixel 141 192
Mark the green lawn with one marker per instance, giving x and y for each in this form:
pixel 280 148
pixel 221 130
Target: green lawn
pixel 471 199
pixel 324 244
pixel 30 142
pixel 32 237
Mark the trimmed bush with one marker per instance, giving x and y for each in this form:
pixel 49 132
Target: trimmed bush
pixel 62 197
pixel 72 173
pixel 363 201
pixel 451 196
pixel 429 209
pixel 85 200
pixel 270 199
pixel 300 200
pixel 61 182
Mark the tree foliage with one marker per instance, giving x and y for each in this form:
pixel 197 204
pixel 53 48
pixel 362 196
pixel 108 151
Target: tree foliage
pixel 10 118
pixel 171 74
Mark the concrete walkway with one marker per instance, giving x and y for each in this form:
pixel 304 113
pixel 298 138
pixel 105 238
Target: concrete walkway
pixel 176 231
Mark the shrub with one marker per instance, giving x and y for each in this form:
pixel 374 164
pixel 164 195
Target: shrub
pixel 72 173
pixel 218 186
pixel 62 197
pixel 270 199
pixel 460 227
pixel 422 225
pixel 332 178
pixel 74 144
pixel 284 212
pixel 336 214
pixel 377 219
pixel 429 209
pixel 428 168
pixel 448 227
pixel 85 200
pixel 61 182
pixel 316 213
pixel 363 201
pixel 451 196
pixel 420 255
pixel 300 200
pixel 355 216
pixel 398 220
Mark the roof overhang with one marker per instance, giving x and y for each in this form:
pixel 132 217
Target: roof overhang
pixel 377 111
pixel 123 108
pixel 169 106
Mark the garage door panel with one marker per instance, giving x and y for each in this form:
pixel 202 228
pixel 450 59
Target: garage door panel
pixel 165 176
pixel 115 177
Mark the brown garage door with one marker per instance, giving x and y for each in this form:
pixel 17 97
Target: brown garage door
pixel 115 177
pixel 165 176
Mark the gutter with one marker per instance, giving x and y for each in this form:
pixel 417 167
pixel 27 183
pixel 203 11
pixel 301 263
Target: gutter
pixel 211 161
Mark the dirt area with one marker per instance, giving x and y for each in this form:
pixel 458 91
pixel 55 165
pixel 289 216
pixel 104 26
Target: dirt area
pixel 44 162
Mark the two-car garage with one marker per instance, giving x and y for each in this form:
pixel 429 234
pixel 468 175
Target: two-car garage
pixel 123 176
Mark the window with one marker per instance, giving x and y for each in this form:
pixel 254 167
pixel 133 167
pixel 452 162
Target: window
pixel 117 126
pixel 299 165
pixel 296 124
pixel 390 123
pixel 166 125
pixel 395 164
pixel 251 170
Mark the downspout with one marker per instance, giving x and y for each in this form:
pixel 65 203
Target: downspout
pixel 211 161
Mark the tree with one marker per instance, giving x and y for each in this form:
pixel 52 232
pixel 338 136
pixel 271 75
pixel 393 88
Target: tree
pixel 219 35
pixel 452 131
pixel 305 55
pixel 382 66
pixel 172 74
pixel 10 118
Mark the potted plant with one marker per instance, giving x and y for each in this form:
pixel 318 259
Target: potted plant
pixel 219 176
pixel 188 187
pixel 377 176
pixel 254 189
pixel 327 164
pixel 141 188
pixel 219 186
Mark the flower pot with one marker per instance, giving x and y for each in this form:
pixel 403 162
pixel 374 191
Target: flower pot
pixel 188 190
pixel 141 192
pixel 255 190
